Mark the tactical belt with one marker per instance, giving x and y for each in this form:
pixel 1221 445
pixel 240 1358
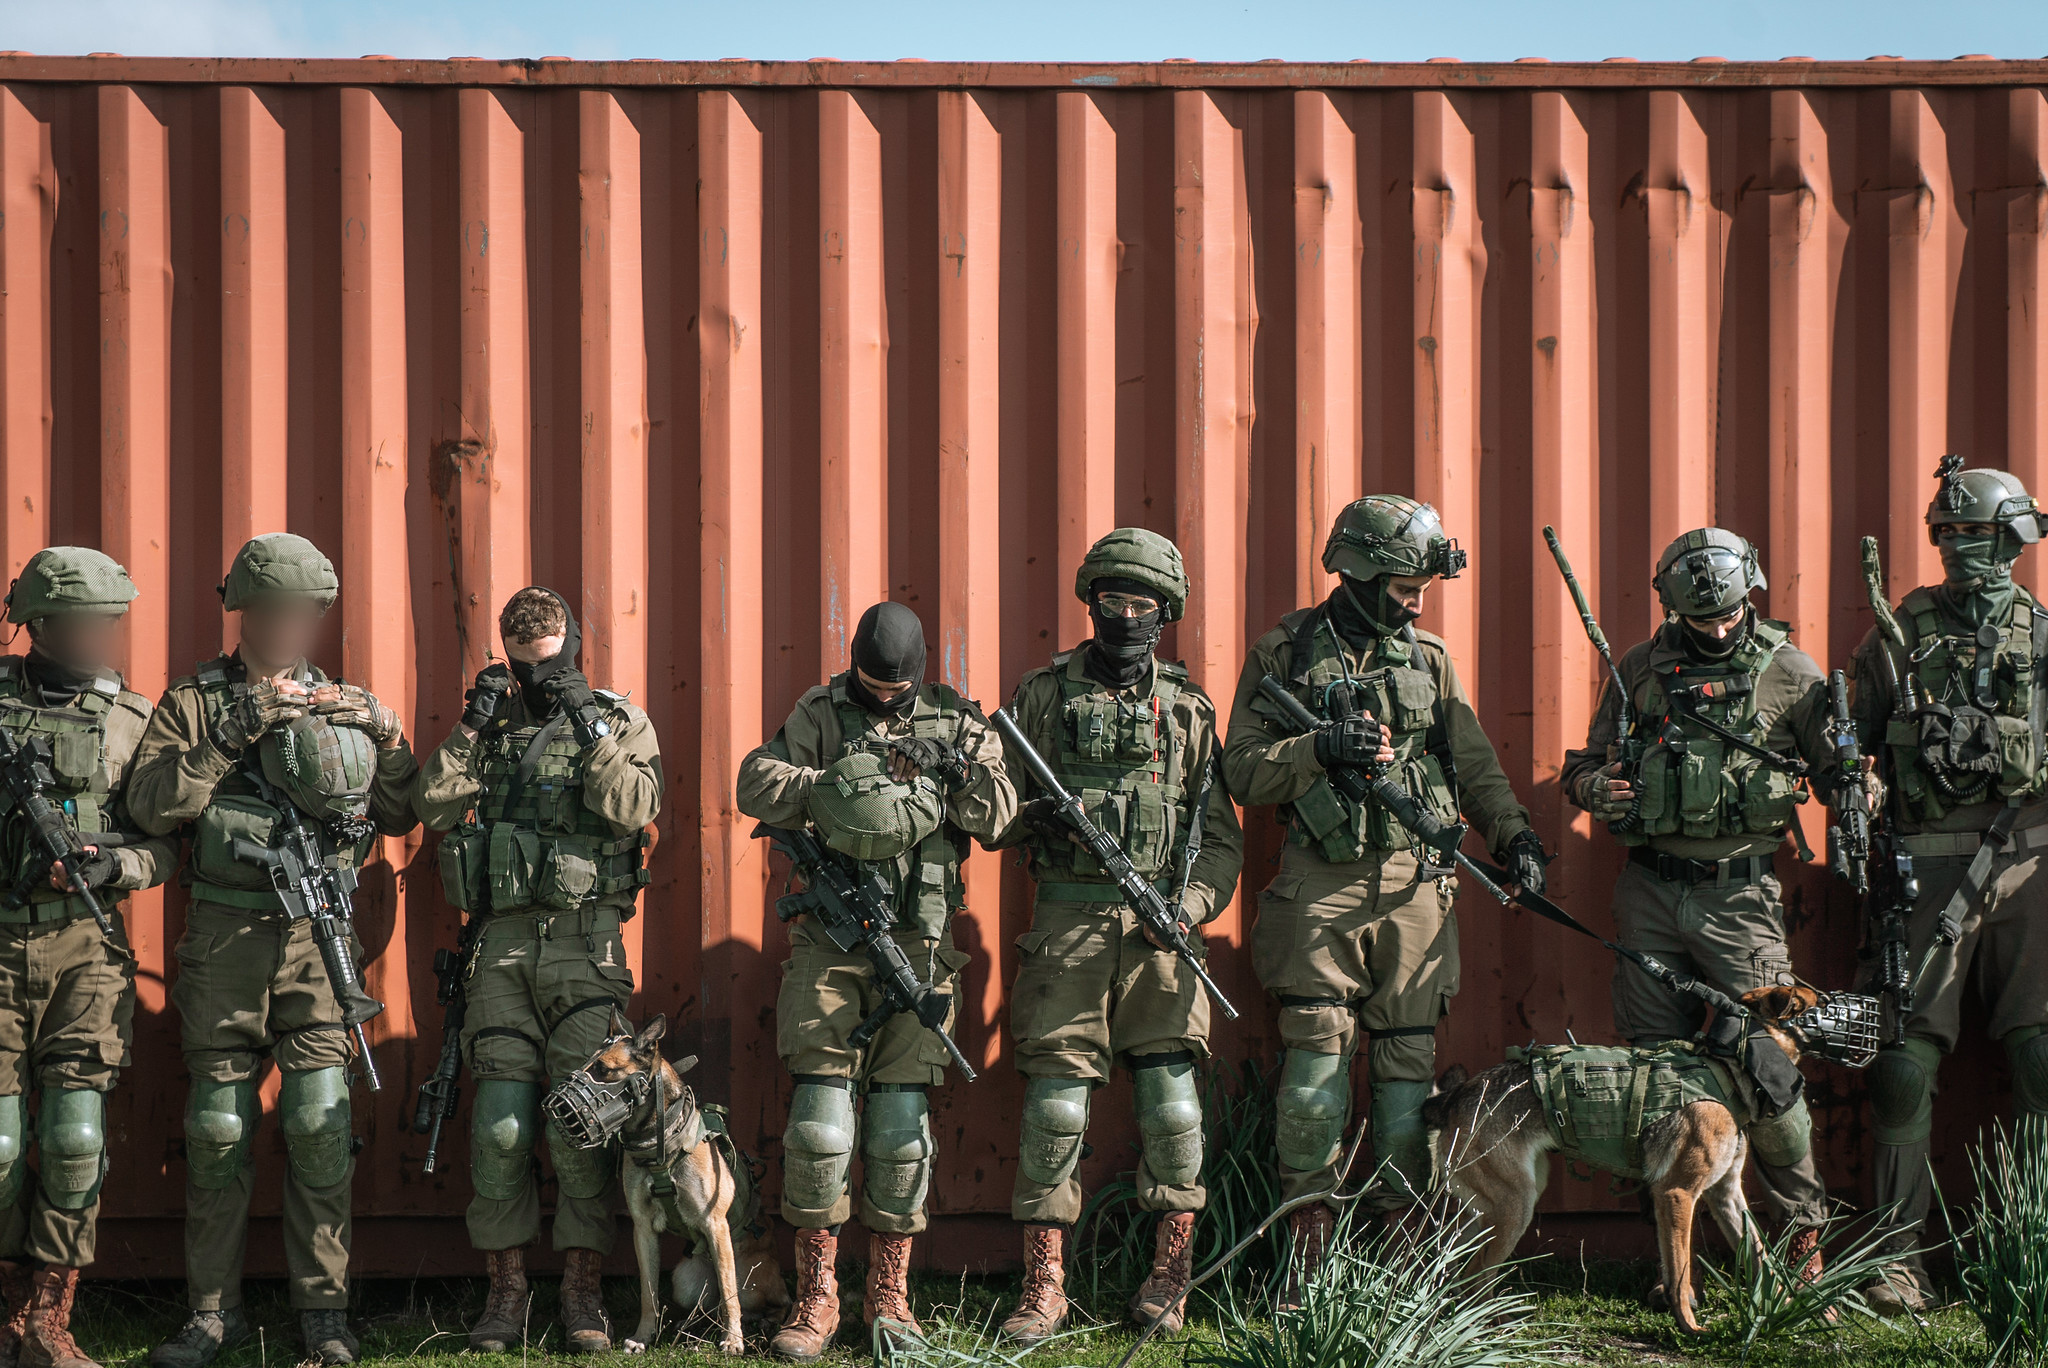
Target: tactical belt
pixel 544 925
pixel 1724 873
pixel 1095 892
pixel 1962 845
pixel 68 909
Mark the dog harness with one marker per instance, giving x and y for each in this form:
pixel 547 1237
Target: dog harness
pixel 1598 1100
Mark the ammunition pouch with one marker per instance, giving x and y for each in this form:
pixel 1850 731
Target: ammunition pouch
pixel 525 868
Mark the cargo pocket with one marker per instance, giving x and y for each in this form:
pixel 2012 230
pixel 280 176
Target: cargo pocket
pixel 1770 966
pixel 464 861
pixel 1274 932
pixel 1598 1099
pixel 946 979
pixel 502 1052
pixel 567 877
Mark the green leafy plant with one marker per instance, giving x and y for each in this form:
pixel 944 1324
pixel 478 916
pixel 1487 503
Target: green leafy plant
pixel 1764 1298
pixel 2002 1244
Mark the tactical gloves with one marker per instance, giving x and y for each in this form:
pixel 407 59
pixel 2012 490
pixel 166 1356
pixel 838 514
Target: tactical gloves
pixel 486 698
pixel 572 692
pixel 939 759
pixel 1596 796
pixel 1042 816
pixel 97 869
pixel 265 705
pixel 350 705
pixel 1353 741
pixel 1525 861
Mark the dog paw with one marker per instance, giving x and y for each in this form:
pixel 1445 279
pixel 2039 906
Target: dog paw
pixel 633 1346
pixel 733 1348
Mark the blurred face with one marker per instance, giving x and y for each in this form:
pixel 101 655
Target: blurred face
pixel 538 649
pixel 281 628
pixel 884 689
pixel 80 641
pixel 1718 628
pixel 1409 592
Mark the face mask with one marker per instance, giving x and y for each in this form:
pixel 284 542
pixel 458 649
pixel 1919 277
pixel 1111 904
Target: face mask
pixel 54 679
pixel 1701 646
pixel 888 644
pixel 1976 563
pixel 532 675
pixel 1122 650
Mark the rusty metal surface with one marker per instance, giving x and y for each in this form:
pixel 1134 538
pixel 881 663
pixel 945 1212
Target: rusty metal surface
pixel 726 351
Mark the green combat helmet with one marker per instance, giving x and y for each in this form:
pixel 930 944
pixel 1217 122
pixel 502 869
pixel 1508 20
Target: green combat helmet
pixel 1981 496
pixel 278 563
pixel 1707 573
pixel 864 813
pixel 1135 553
pixel 69 579
pixel 1390 534
pixel 326 770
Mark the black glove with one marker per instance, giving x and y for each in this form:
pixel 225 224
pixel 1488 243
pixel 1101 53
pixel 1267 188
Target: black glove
pixel 97 869
pixel 1042 816
pixel 486 698
pixel 252 715
pixel 941 760
pixel 1525 861
pixel 1352 741
pixel 572 691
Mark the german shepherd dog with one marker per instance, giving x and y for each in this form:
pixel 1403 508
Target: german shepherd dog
pixel 1491 1142
pixel 734 1249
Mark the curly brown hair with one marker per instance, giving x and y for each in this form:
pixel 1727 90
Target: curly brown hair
pixel 532 614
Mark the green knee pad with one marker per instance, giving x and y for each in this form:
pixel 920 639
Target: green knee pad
pixel 896 1149
pixel 1055 1119
pixel 71 1132
pixel 1313 1104
pixel 1902 1091
pixel 817 1145
pixel 1400 1140
pixel 2027 1049
pixel 580 1173
pixel 13 1122
pixel 313 1113
pixel 220 1125
pixel 1169 1121
pixel 1783 1140
pixel 504 1126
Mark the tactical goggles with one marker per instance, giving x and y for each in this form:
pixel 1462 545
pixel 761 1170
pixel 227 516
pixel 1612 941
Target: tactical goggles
pixel 1126 605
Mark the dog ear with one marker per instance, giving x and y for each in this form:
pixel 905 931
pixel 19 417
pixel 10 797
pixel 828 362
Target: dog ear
pixel 651 1034
pixel 1452 1078
pixel 1778 1002
pixel 620 1026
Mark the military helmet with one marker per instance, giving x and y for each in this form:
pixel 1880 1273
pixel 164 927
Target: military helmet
pixel 1707 573
pixel 1136 553
pixel 69 579
pixel 278 563
pixel 323 768
pixel 862 812
pixel 1390 534
pixel 1981 496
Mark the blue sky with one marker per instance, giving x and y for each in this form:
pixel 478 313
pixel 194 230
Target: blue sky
pixel 1308 30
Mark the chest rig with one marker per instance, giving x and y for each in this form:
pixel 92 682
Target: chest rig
pixel 74 737
pixel 1695 783
pixel 531 840
pixel 1395 686
pixel 1123 756
pixel 925 879
pixel 1972 729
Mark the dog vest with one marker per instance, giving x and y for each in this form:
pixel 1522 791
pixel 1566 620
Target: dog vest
pixel 1597 1100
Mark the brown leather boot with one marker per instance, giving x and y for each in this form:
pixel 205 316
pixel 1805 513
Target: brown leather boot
pixel 1805 1251
pixel 19 1291
pixel 47 1343
pixel 583 1319
pixel 887 1303
pixel 813 1317
pixel 1173 1262
pixel 1042 1310
pixel 503 1322
pixel 1312 1226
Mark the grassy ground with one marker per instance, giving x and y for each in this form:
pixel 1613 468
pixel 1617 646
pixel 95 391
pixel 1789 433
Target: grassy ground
pixel 1599 1307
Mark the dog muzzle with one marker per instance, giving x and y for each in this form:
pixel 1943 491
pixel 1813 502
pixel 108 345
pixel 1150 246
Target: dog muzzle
pixel 1844 1029
pixel 590 1113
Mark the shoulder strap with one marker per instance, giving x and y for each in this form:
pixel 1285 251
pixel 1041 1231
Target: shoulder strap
pixel 529 760
pixel 1304 646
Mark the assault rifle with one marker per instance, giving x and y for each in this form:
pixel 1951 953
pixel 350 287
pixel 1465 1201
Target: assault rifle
pixel 854 912
pixel 1887 925
pixel 1445 841
pixel 1849 837
pixel 1138 893
pixel 1629 746
pixel 441 1093
pixel 25 771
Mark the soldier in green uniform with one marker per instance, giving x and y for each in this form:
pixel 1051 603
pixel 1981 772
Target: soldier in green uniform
pixel 1136 738
pixel 226 749
pixel 1959 710
pixel 1356 931
pixel 67 990
pixel 897 774
pixel 1703 818
pixel 549 787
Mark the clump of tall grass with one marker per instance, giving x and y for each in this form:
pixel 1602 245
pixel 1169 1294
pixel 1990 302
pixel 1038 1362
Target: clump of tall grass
pixel 2001 1243
pixel 1765 1299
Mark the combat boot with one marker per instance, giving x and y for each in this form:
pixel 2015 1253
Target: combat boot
pixel 813 1317
pixel 19 1291
pixel 1900 1291
pixel 201 1338
pixel 1159 1298
pixel 887 1303
pixel 327 1338
pixel 47 1342
pixel 583 1319
pixel 1042 1310
pixel 1804 1252
pixel 1311 1226
pixel 503 1322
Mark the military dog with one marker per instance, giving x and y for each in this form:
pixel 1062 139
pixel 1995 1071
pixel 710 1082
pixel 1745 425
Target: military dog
pixel 1492 1137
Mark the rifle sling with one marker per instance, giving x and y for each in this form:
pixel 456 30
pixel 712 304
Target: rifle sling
pixel 529 759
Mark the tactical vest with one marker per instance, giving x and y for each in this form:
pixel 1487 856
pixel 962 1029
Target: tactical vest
pixel 925 879
pixel 1953 753
pixel 82 784
pixel 239 811
pixel 1121 754
pixel 538 845
pixel 1696 784
pixel 1398 690
pixel 1597 1100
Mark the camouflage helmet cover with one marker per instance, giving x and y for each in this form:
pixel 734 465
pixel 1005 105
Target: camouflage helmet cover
pixel 69 579
pixel 278 563
pixel 1982 495
pixel 1390 534
pixel 864 813
pixel 1707 573
pixel 324 769
pixel 1136 553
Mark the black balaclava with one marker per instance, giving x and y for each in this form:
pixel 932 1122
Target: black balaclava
pixel 531 677
pixel 54 679
pixel 1708 651
pixel 1363 612
pixel 889 645
pixel 1121 652
pixel 1978 573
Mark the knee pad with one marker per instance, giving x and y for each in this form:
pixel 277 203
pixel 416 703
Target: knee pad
pixel 13 1125
pixel 313 1113
pixel 896 1149
pixel 1400 1137
pixel 1169 1120
pixel 504 1126
pixel 1902 1091
pixel 1783 1140
pixel 1055 1119
pixel 1313 1104
pixel 71 1133
pixel 2027 1049
pixel 817 1145
pixel 580 1173
pixel 220 1125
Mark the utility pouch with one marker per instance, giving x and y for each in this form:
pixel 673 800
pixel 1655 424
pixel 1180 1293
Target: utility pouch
pixel 465 859
pixel 567 876
pixel 1959 741
pixel 75 757
pixel 1700 788
pixel 514 855
pixel 225 820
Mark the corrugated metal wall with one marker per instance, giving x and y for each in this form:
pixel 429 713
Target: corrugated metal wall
pixel 725 352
